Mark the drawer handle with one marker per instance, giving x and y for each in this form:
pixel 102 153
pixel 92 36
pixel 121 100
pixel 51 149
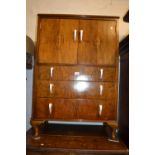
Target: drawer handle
pixel 101 89
pixel 100 110
pixel 51 87
pixel 101 73
pixel 75 34
pixel 51 71
pixel 50 108
pixel 81 35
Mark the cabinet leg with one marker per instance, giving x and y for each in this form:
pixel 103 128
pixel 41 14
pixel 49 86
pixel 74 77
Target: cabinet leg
pixel 35 126
pixel 114 133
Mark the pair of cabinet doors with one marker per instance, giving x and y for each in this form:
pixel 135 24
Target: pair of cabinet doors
pixel 74 41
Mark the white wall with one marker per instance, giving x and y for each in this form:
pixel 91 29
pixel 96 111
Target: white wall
pixel 83 7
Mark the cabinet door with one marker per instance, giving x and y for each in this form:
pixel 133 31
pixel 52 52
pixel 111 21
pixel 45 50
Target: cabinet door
pixel 107 43
pixel 97 42
pixel 56 41
pixel 87 49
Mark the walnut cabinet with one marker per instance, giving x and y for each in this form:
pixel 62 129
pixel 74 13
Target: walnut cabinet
pixel 76 70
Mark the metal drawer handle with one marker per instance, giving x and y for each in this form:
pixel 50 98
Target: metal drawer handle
pixel 101 73
pixel 100 110
pixel 75 34
pixel 51 71
pixel 81 35
pixel 51 87
pixel 50 108
pixel 101 89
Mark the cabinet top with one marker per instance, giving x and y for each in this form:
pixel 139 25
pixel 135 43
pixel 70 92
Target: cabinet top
pixel 78 16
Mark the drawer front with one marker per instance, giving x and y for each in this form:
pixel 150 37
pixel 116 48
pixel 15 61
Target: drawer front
pixel 80 89
pixel 48 108
pixel 77 109
pixel 96 109
pixel 78 73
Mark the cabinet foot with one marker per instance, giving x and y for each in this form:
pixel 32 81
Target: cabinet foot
pixel 35 125
pixel 113 132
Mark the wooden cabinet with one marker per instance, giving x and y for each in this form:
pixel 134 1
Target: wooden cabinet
pixel 76 70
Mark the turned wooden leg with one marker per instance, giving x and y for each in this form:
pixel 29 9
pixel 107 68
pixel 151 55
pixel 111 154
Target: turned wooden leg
pixel 35 124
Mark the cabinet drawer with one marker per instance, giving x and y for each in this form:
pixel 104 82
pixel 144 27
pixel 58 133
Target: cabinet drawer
pixel 48 108
pixel 76 73
pixel 96 109
pixel 79 109
pixel 79 89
